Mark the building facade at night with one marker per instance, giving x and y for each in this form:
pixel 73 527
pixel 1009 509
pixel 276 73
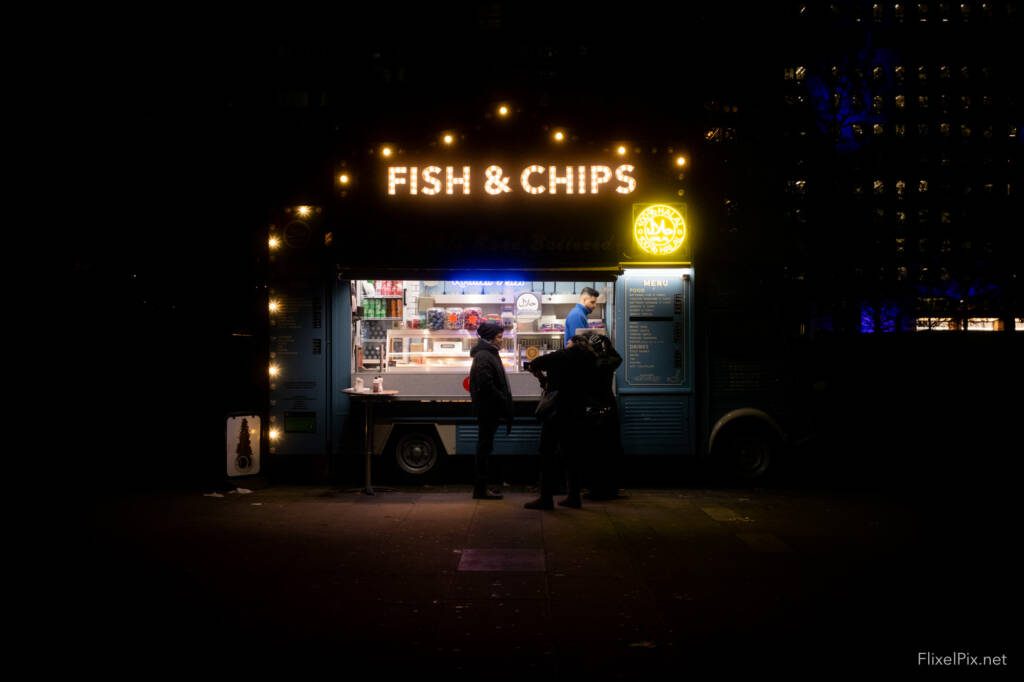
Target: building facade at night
pixel 900 153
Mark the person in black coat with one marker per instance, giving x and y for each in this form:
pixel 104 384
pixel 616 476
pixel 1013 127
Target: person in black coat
pixel 492 402
pixel 607 458
pixel 572 372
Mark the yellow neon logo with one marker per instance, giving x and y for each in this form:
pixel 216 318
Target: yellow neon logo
pixel 659 230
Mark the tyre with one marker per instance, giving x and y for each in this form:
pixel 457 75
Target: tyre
pixel 746 451
pixel 417 454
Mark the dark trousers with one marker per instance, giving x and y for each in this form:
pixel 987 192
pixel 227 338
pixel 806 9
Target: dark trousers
pixel 606 457
pixel 549 459
pixel 573 452
pixel 560 454
pixel 487 467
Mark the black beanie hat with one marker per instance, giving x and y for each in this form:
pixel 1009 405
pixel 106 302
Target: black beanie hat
pixel 488 330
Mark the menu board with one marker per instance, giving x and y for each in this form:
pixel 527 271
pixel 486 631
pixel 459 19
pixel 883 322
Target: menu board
pixel 654 330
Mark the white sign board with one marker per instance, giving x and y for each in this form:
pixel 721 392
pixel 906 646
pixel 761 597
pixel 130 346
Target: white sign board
pixel 243 445
pixel 527 307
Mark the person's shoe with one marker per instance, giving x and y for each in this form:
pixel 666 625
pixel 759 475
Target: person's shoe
pixel 487 495
pixel 540 503
pixel 571 501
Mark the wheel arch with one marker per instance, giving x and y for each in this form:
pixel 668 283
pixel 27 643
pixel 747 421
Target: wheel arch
pixel 744 415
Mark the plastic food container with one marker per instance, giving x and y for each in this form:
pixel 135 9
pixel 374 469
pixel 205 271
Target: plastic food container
pixel 473 318
pixel 455 318
pixel 508 321
pixel 435 319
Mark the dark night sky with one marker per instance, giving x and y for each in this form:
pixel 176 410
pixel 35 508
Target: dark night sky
pixel 185 119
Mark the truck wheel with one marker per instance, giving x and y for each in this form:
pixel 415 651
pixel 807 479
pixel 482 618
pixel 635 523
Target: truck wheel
pixel 745 451
pixel 417 453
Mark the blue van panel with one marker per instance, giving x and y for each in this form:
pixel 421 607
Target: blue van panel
pixel 524 439
pixel 657 424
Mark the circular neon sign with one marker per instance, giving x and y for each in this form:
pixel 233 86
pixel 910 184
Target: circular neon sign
pixel 659 230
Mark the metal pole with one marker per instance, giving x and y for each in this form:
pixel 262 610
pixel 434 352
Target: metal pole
pixel 368 440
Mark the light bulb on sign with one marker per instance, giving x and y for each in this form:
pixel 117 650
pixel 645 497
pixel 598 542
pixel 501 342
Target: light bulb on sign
pixel 386 152
pixel 344 179
pixel 273 243
pixel 274 434
pixel 304 211
pixel 275 370
pixel 274 306
pixel 503 111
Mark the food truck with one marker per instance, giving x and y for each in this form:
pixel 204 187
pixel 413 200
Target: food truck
pixel 386 279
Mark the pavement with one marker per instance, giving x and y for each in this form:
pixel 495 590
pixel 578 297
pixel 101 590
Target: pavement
pixel 426 580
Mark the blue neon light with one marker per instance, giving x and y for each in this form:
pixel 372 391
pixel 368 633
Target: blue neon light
pixel 462 284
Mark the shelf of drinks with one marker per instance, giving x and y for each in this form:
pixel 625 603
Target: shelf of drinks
pixel 371 319
pixel 399 296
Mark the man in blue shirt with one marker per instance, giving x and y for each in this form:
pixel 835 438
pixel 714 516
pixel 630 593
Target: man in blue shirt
pixel 577 317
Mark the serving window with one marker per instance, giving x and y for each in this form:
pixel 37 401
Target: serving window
pixel 430 326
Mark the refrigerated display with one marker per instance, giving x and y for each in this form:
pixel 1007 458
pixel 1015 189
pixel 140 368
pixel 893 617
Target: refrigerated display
pixel 416 351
